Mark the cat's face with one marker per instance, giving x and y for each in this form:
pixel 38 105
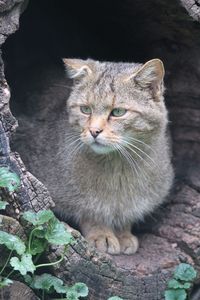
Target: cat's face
pixel 113 103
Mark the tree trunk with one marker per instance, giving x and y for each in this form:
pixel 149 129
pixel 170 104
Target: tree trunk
pixel 172 235
pixel 17 291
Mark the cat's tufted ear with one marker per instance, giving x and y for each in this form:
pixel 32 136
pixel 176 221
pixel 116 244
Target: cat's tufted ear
pixel 150 75
pixel 77 68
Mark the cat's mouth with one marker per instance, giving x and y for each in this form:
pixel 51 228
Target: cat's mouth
pixel 100 148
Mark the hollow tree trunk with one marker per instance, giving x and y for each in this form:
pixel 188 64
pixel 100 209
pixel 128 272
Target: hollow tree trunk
pixel 175 232
pixel 32 194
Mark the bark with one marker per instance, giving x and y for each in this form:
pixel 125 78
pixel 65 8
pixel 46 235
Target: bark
pixel 193 8
pixel 17 291
pixel 31 194
pixel 172 235
pixel 173 240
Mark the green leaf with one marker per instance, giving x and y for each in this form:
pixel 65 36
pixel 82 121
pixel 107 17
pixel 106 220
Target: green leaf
pixel 186 285
pixel 175 284
pixel 115 298
pixel 81 289
pixel 3 204
pixel 5 282
pixel 178 294
pixel 28 279
pixel 24 265
pixel 37 246
pixel 12 242
pixel 72 295
pixel 9 180
pixel 185 272
pixel 39 232
pixel 38 218
pixel 57 233
pixel 47 281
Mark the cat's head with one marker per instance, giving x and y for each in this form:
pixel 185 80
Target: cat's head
pixel 113 103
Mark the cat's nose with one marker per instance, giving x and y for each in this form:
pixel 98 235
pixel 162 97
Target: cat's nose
pixel 95 132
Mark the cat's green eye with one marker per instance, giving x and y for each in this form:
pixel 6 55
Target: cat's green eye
pixel 118 112
pixel 86 110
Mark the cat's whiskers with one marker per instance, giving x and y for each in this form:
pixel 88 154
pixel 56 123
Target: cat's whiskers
pixel 75 149
pixel 72 135
pixel 138 171
pixel 145 177
pixel 141 142
pixel 74 139
pixel 133 165
pixel 138 155
pixel 130 146
pixel 70 144
pixel 129 159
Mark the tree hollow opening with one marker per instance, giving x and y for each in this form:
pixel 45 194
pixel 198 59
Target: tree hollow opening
pixel 112 31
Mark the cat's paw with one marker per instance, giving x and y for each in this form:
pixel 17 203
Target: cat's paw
pixel 128 243
pixel 104 241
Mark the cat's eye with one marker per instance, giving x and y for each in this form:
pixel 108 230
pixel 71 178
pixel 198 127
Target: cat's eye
pixel 86 110
pixel 118 112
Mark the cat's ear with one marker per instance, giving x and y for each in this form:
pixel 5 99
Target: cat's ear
pixel 77 68
pixel 150 75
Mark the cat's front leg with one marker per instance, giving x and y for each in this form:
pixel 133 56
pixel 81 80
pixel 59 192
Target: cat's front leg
pixel 128 242
pixel 101 237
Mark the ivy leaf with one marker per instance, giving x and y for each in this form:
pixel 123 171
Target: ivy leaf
pixel 175 284
pixel 185 272
pixel 3 204
pixel 37 246
pixel 115 298
pixel 5 282
pixel 24 265
pixel 38 218
pixel 186 285
pixel 178 294
pixel 57 233
pixel 72 295
pixel 39 232
pixel 81 289
pixel 47 281
pixel 12 242
pixel 9 180
pixel 28 279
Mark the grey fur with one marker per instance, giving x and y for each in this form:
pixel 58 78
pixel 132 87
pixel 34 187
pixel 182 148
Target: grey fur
pixel 102 188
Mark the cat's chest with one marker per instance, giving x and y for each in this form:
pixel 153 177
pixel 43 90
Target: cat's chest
pixel 111 178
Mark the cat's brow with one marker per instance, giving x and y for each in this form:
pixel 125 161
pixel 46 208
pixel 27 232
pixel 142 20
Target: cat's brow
pixel 136 111
pixel 113 101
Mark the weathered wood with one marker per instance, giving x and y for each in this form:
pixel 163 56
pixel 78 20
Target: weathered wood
pixel 174 239
pixel 31 194
pixel 172 235
pixel 193 8
pixel 17 291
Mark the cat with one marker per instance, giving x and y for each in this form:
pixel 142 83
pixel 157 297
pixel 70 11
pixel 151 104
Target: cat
pixel 106 156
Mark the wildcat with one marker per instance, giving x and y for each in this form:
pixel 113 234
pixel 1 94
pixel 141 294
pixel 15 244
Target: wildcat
pixel 106 157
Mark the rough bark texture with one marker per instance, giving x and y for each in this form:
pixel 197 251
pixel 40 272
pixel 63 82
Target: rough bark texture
pixel 32 194
pixel 193 8
pixel 174 234
pixel 17 291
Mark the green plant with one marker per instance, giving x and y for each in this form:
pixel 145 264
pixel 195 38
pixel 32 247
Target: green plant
pixel 45 229
pixel 181 282
pixel 8 180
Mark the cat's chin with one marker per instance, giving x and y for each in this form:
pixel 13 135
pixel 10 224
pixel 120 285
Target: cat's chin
pixel 101 149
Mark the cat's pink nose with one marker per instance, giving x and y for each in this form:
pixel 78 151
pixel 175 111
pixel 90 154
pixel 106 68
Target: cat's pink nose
pixel 95 132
